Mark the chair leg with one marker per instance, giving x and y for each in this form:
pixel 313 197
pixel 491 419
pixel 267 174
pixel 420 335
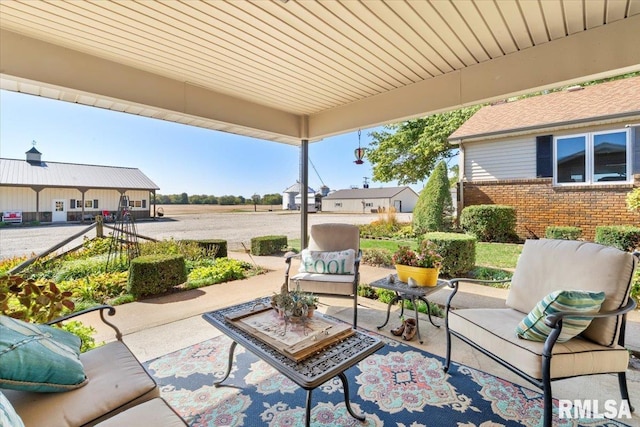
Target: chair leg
pixel 355 310
pixel 546 392
pixel 624 390
pixel 447 361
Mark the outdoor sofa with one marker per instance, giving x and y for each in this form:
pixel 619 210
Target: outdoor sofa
pixel 117 390
pixel 565 315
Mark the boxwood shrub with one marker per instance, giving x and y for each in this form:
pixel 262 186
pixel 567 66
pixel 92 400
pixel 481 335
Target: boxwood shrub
pixel 623 237
pixel 490 223
pixel 458 251
pixel 268 245
pixel 155 274
pixel 212 247
pixel 563 232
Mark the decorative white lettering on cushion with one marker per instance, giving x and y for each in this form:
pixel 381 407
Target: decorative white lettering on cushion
pixel 340 262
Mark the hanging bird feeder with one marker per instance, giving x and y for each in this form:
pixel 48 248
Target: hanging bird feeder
pixel 359 152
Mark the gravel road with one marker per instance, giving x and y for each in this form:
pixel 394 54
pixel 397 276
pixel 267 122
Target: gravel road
pixel 236 228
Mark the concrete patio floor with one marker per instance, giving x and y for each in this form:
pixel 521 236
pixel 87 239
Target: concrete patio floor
pixel 158 326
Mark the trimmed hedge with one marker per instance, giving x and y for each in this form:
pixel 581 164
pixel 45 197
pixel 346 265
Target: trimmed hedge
pixel 623 237
pixel 268 245
pixel 562 232
pixel 155 274
pixel 458 251
pixel 490 223
pixel 215 247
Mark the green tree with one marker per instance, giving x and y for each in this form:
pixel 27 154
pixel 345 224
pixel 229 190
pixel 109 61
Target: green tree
pixel 407 152
pixel 433 209
pixel 272 199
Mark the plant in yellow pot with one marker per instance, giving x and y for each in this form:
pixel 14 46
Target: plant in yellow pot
pixel 422 265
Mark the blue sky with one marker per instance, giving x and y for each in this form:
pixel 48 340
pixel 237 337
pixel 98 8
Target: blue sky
pixel 178 158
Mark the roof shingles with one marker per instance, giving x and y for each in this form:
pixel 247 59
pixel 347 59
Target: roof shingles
pixel 615 98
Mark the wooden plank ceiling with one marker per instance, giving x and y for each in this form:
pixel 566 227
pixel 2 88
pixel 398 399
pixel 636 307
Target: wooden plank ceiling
pixel 285 70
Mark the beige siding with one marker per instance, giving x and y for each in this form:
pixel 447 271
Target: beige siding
pixel 497 160
pixel 17 199
pixel 24 199
pixel 408 199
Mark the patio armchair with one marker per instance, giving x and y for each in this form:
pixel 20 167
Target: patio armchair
pixel 565 316
pixel 330 264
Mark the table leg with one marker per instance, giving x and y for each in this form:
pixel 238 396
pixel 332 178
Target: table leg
pixel 231 350
pixel 428 311
pixel 394 300
pixel 307 414
pixel 415 308
pixel 345 387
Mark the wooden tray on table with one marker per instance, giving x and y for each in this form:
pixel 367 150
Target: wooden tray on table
pixel 300 341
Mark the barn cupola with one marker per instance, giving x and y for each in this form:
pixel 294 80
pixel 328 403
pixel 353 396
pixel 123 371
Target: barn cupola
pixel 34 157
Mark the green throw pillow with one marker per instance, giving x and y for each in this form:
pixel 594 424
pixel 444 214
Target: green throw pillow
pixel 8 415
pixel 533 327
pixel 339 262
pixel 39 358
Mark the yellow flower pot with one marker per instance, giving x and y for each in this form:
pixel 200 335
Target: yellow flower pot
pixel 422 275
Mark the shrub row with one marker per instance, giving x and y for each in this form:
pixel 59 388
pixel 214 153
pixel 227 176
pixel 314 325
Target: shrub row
pixel 268 245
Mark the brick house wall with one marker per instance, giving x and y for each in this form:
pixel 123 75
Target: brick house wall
pixel 539 204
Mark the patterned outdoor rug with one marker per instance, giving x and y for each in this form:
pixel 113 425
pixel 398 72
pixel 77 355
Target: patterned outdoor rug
pixel 398 386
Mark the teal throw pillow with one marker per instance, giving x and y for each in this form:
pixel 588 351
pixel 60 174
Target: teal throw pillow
pixel 8 415
pixel 39 358
pixel 339 262
pixel 533 327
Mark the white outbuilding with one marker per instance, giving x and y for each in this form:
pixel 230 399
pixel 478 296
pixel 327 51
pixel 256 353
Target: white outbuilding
pixel 35 190
pixel 370 200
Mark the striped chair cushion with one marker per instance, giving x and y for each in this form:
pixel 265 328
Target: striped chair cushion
pixel 532 327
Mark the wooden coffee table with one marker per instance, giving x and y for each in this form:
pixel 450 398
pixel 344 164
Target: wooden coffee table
pixel 330 361
pixel 405 292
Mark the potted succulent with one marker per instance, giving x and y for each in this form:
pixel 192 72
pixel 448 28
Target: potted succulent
pixel 422 265
pixel 294 304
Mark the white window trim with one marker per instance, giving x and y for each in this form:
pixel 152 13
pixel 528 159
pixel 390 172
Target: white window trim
pixel 589 158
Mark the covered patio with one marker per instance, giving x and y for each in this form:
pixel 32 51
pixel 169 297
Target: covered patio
pixel 156 327
pixel 297 72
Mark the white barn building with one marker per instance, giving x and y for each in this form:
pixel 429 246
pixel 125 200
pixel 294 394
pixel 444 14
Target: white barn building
pixel 42 191
pixel 370 200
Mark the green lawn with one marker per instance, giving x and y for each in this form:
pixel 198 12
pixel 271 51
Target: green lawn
pixel 496 255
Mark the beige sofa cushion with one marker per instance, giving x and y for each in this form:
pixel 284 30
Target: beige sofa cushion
pixel 117 382
pixel 153 413
pixel 493 330
pixel 548 265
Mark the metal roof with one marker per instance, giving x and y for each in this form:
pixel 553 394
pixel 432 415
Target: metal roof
pixel 618 99
pixel 286 70
pixel 368 193
pixel 295 188
pixel 54 174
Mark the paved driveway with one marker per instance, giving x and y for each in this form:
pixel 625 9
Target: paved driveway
pixel 235 228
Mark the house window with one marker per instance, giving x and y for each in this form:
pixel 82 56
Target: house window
pixel 337 205
pixel 590 158
pixel 368 205
pixel 88 204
